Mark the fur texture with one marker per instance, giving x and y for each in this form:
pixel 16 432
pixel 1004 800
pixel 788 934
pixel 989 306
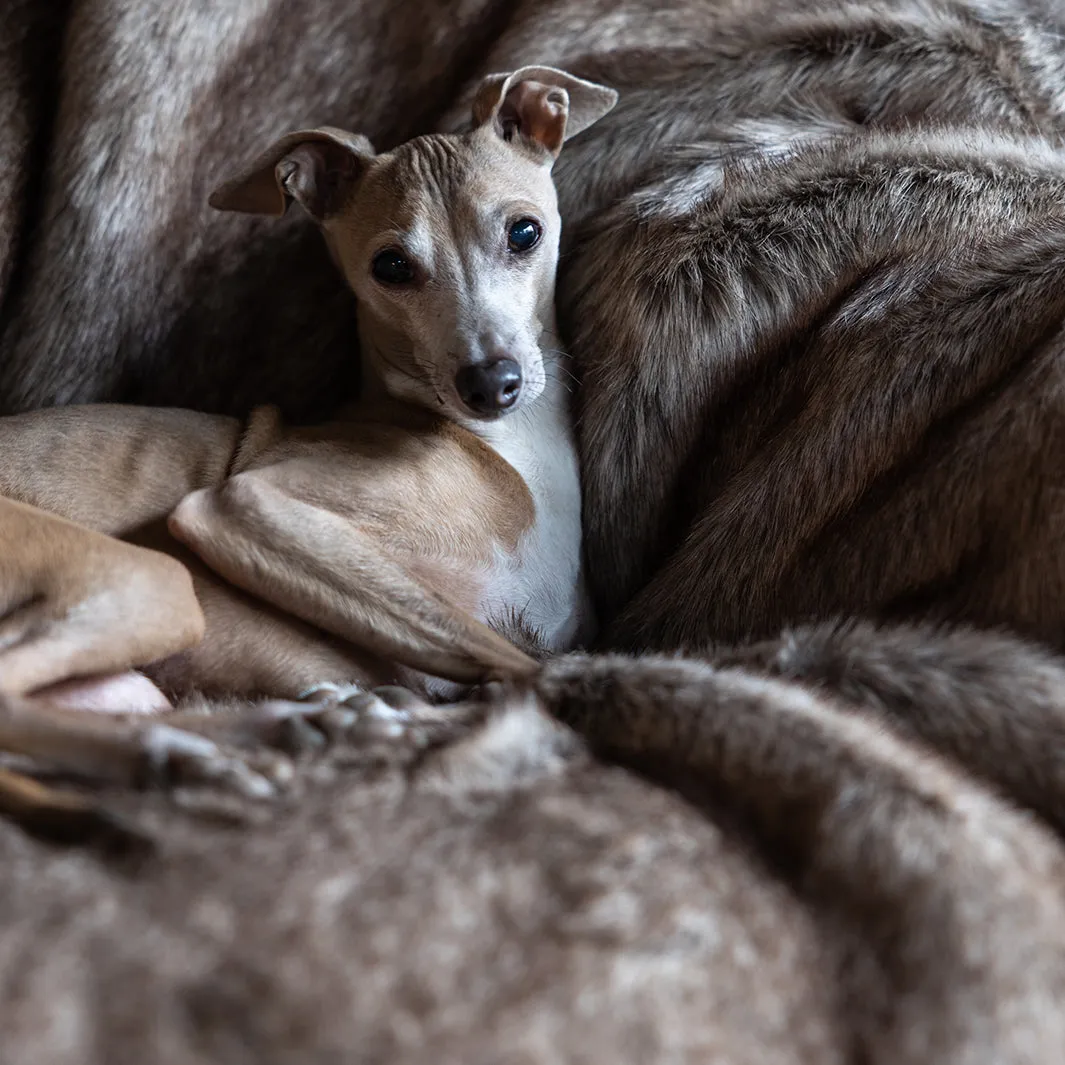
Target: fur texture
pixel 819 887
pixel 821 373
pixel 811 279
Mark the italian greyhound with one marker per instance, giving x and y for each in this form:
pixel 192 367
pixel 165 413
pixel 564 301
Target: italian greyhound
pixel 394 545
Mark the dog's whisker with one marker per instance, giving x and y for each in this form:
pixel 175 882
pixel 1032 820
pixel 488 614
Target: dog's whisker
pixel 561 368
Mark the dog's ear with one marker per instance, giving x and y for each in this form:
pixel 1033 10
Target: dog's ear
pixel 542 105
pixel 314 167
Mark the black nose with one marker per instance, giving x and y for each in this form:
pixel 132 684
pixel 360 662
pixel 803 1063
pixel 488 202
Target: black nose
pixel 490 386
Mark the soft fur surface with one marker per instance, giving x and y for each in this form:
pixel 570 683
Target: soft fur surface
pixel 795 878
pixel 812 281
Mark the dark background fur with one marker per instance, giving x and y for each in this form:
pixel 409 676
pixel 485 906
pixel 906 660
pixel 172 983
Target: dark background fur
pixel 811 282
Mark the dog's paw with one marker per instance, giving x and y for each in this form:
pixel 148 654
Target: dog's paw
pixel 173 756
pixel 331 716
pixel 328 692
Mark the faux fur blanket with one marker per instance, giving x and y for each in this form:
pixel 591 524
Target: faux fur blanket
pixel 813 284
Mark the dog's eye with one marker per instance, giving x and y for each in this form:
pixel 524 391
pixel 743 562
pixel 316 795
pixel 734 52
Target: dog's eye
pixel 524 234
pixel 392 267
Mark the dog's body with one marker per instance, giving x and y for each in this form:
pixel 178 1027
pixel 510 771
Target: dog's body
pixel 390 473
pixel 449 511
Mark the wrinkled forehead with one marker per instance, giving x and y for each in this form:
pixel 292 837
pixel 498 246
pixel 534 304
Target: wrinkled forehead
pixel 451 182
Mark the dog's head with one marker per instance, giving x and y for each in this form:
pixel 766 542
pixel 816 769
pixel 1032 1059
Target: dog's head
pixel 450 242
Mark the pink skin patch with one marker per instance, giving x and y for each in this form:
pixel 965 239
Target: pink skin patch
pixel 108 693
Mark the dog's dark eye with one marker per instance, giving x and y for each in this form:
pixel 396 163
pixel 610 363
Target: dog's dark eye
pixel 524 234
pixel 392 267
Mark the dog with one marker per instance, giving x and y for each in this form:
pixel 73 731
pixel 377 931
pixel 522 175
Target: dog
pixel 444 510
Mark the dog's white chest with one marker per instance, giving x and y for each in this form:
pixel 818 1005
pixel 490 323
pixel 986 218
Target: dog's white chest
pixel 542 582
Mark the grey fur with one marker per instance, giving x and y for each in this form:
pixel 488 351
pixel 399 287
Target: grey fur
pixel 812 278
pixel 829 384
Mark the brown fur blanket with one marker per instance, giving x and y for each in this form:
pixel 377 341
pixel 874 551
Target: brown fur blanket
pixel 812 281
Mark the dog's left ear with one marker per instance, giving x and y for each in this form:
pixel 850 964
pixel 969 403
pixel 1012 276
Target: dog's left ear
pixel 315 167
pixel 542 105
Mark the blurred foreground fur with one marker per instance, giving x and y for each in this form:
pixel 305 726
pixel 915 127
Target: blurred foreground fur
pixel 821 377
pixel 809 886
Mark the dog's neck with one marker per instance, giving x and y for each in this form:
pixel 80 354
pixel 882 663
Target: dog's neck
pixel 539 442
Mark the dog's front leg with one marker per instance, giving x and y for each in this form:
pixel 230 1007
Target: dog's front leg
pixel 324 569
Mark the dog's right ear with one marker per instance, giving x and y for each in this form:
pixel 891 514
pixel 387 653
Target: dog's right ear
pixel 315 167
pixel 544 106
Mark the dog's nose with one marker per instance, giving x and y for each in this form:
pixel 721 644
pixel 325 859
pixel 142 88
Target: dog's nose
pixel 489 387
